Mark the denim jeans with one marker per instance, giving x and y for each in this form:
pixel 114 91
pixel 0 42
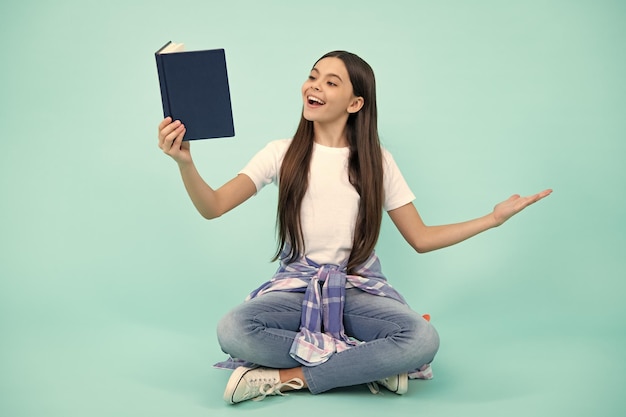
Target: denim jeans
pixel 397 339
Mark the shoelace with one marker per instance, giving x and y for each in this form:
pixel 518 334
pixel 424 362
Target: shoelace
pixel 267 388
pixel 373 386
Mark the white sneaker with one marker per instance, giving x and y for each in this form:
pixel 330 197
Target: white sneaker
pixel 398 384
pixel 255 384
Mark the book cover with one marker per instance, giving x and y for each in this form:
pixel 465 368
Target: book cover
pixel 195 90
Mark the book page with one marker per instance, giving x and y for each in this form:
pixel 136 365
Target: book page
pixel 173 47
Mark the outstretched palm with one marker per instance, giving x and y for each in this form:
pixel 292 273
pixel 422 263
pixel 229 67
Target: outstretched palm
pixel 514 204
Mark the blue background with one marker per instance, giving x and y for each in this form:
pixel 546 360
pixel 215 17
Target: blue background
pixel 111 284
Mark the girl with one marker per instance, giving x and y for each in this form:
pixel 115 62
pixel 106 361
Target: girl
pixel 328 318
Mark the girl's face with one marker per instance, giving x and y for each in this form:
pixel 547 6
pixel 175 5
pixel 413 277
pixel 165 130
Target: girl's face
pixel 328 94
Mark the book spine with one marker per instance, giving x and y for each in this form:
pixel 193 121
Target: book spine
pixel 163 83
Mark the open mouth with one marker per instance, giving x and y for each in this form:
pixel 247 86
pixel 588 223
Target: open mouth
pixel 314 101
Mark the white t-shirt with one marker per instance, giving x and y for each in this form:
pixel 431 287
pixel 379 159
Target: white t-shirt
pixel 331 204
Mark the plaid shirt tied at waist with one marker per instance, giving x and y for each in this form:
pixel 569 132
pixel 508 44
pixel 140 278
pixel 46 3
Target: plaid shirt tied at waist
pixel 321 325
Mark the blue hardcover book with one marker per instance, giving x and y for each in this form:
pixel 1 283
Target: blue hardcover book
pixel 194 90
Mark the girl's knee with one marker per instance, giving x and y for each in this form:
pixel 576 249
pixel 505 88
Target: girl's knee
pixel 430 342
pixel 228 329
pixel 424 341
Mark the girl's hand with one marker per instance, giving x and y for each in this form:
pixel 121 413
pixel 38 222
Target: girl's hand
pixel 508 208
pixel 171 142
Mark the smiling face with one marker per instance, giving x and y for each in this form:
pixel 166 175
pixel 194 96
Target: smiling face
pixel 328 94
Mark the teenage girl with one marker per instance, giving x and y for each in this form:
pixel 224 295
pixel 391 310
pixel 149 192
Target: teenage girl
pixel 328 318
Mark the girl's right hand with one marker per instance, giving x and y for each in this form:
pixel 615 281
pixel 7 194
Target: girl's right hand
pixel 171 142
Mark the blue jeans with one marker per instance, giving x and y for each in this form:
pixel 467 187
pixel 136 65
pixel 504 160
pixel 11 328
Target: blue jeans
pixel 397 339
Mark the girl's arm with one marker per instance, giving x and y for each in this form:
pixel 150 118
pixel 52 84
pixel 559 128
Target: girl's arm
pixel 427 238
pixel 210 203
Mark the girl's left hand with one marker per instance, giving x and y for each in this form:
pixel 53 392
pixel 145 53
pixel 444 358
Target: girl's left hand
pixel 508 208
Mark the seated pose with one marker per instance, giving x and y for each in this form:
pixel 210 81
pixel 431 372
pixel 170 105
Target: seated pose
pixel 328 318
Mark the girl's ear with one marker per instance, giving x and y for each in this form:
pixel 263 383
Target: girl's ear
pixel 356 105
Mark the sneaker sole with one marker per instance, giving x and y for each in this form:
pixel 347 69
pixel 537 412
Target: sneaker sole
pixel 403 384
pixel 233 381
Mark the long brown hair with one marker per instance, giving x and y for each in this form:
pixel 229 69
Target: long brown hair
pixel 365 170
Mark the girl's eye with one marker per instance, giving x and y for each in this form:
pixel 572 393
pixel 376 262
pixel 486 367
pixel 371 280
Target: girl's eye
pixel 332 84
pixel 312 78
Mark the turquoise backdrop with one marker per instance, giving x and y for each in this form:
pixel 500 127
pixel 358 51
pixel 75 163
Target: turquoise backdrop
pixel 111 284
